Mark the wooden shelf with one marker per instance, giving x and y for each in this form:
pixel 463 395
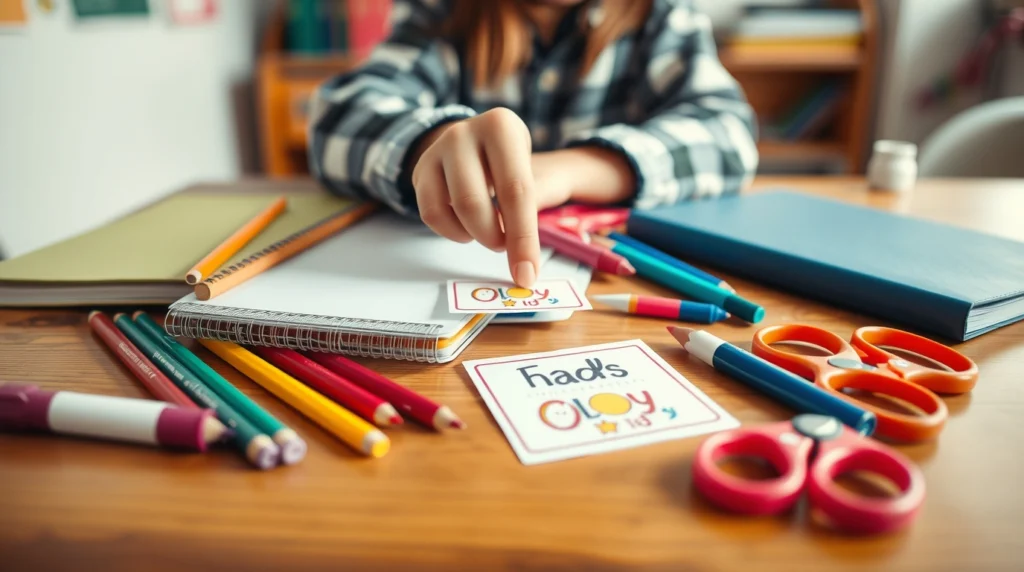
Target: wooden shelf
pixel 824 59
pixel 811 150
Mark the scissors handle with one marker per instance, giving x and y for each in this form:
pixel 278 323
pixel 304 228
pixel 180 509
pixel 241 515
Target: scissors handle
pixel 851 452
pixel 778 444
pixel 961 378
pixel 807 367
pixel 905 427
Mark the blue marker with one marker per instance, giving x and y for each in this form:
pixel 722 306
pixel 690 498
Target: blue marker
pixel 790 389
pixel 670 260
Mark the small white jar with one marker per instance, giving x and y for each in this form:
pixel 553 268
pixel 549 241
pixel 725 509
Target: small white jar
pixel 893 166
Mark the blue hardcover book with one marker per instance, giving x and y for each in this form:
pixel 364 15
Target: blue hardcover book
pixel 917 274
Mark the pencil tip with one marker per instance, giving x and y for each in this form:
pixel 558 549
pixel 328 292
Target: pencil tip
pixel 457 424
pixel 395 420
pixel 680 334
pixel 94 313
pixel 625 269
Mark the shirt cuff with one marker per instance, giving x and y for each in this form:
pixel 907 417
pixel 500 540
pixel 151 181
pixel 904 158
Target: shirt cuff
pixel 386 157
pixel 648 157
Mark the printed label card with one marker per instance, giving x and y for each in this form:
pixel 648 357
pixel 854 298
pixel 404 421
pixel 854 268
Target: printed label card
pixel 466 297
pixel 584 401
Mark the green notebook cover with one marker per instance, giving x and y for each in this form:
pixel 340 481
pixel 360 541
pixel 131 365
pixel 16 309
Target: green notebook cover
pixel 143 257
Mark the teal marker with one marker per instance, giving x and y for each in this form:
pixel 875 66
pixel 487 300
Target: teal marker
pixel 685 283
pixel 258 448
pixel 293 448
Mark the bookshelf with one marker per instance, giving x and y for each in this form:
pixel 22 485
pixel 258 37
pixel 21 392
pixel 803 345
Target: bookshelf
pixel 772 78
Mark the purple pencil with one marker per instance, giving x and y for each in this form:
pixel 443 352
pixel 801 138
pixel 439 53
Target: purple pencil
pixel 26 407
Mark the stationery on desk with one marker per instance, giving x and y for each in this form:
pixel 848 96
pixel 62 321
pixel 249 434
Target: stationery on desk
pixel 293 448
pixel 393 274
pixel 934 277
pixel 82 271
pixel 584 401
pixel 257 447
pixel 234 243
pixel 685 282
pixel 342 423
pixel 27 407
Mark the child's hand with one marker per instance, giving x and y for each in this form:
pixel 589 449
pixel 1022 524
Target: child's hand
pixel 461 166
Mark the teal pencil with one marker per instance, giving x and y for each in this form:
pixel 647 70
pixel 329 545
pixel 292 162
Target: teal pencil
pixel 670 260
pixel 293 448
pixel 258 448
pixel 684 282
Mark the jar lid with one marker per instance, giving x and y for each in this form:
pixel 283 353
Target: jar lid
pixel 895 148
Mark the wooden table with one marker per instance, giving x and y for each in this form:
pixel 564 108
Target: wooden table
pixel 462 501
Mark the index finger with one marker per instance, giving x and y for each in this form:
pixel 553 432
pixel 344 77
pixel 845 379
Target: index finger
pixel 509 162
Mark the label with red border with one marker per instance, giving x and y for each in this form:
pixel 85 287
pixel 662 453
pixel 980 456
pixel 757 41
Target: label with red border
pixel 590 400
pixel 466 297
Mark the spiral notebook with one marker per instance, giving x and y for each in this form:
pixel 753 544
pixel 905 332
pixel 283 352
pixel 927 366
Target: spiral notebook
pixel 376 289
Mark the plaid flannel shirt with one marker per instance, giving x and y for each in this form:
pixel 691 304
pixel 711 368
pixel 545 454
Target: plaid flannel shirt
pixel 659 96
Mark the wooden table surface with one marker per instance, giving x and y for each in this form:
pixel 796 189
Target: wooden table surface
pixel 463 501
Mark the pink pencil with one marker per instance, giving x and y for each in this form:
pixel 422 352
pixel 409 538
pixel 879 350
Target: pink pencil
pixel 590 254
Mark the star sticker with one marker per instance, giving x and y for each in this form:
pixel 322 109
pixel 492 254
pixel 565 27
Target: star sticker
pixel 605 427
pixel 509 303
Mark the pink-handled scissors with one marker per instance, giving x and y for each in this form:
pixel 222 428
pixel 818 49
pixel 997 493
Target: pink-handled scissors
pixel 810 450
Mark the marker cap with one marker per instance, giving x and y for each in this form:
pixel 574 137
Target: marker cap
pixel 743 309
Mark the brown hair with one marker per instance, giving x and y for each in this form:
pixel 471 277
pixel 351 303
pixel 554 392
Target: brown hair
pixel 497 34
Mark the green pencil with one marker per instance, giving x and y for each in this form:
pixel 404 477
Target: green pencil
pixel 293 448
pixel 258 448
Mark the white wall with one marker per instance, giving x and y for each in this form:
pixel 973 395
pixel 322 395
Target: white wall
pixel 928 39
pixel 99 118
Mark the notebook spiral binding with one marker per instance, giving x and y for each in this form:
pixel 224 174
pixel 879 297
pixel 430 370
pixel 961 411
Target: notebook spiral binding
pixel 301 332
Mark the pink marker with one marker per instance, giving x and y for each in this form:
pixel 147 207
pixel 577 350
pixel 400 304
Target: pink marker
pixel 26 408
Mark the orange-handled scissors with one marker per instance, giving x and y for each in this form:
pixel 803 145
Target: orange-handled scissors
pixel 863 364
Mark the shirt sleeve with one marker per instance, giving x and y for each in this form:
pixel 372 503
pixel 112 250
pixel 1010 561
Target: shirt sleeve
pixel 363 123
pixel 695 136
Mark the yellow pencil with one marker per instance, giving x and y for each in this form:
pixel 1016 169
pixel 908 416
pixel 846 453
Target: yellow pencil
pixel 344 424
pixel 232 244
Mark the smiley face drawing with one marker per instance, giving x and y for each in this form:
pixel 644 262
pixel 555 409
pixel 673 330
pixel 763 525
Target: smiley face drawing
pixel 559 415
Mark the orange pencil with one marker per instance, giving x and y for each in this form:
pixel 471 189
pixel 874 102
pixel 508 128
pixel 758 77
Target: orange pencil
pixel 278 252
pixel 225 250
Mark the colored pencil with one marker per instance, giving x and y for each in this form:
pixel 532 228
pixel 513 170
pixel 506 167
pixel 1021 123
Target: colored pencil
pixel 413 404
pixel 232 244
pixel 144 421
pixel 670 260
pixel 686 283
pixel 792 390
pixel 332 385
pixel 670 308
pixel 342 423
pixel 259 449
pixel 293 448
pixel 143 369
pixel 572 246
pixel 228 278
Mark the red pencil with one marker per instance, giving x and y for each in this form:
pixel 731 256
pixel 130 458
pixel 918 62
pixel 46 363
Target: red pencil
pixel 590 254
pixel 156 382
pixel 345 393
pixel 415 405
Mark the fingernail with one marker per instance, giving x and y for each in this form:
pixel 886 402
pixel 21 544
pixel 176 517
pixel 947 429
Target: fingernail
pixel 524 274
